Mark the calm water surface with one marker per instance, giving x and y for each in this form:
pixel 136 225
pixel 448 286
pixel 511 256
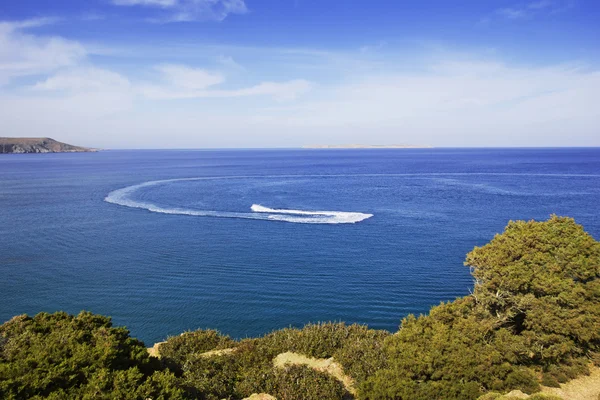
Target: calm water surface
pixel 87 231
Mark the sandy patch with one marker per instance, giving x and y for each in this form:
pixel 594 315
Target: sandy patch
pixel 582 388
pixel 213 353
pixel 260 396
pixel 153 351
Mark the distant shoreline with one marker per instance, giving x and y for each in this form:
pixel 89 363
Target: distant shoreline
pixel 366 146
pixel 10 145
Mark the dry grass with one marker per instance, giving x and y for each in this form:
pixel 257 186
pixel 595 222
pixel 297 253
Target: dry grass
pixel 582 388
pixel 328 366
pixel 153 351
pixel 213 353
pixel 260 396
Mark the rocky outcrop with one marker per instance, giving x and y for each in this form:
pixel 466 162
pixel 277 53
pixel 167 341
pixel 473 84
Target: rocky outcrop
pixel 37 145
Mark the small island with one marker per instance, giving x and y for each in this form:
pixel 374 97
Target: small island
pixel 38 145
pixel 366 146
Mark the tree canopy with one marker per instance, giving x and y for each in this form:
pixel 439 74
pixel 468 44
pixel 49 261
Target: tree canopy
pixel 535 310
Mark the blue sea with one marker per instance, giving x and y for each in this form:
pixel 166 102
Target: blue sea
pixel 248 241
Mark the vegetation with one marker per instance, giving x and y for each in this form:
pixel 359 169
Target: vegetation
pixel 175 351
pixel 61 356
pixel 534 310
pixel 533 318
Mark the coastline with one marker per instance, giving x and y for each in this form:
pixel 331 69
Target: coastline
pixel 365 146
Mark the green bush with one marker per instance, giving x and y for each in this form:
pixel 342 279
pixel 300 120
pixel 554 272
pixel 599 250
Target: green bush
pixel 550 381
pixel 320 340
pixel 177 348
pixel 356 347
pixel 211 378
pixel 363 354
pixel 64 356
pixel 298 382
pixel 534 308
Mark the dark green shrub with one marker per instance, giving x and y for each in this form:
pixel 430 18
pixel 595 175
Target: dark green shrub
pixel 64 356
pixel 298 382
pixel 522 379
pixel 177 348
pixel 319 340
pixel 550 381
pixel 211 378
pixel 535 305
pixel 363 354
pixel 254 379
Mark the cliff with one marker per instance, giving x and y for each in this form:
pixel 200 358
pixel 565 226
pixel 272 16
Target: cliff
pixel 37 145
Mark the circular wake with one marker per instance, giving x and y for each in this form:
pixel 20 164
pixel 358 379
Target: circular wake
pixel 123 197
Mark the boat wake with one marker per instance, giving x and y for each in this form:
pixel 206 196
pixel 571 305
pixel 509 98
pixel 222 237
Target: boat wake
pixel 123 197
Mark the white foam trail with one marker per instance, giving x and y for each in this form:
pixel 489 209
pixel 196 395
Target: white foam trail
pixel 122 197
pixel 343 217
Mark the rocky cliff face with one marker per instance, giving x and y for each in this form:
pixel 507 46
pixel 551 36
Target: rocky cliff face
pixel 37 145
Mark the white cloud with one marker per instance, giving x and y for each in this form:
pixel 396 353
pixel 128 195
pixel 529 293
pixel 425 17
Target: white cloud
pixel 10 26
pixel 229 63
pixel 84 79
pixel 184 77
pixel 183 82
pixel 158 3
pixel 453 104
pixel 281 91
pixel 512 13
pixel 23 54
pixel 532 9
pixel 190 10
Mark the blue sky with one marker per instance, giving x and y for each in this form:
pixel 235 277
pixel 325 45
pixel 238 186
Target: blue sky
pixel 250 73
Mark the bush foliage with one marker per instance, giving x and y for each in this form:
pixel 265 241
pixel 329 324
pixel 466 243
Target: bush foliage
pixel 534 309
pixel 63 356
pixel 177 348
pixel 533 317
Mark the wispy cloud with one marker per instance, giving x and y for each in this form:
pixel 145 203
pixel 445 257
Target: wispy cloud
pixel 189 10
pixel 184 77
pixel 184 82
pixel 24 54
pixel 532 9
pixel 10 26
pixel 158 3
pixel 229 63
pixel 84 79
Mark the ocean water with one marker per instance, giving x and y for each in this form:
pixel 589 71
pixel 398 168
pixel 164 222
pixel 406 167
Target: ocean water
pixel 247 241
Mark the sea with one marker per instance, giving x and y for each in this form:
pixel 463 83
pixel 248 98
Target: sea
pixel 249 241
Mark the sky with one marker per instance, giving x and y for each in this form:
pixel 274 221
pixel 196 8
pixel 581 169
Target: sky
pixel 287 73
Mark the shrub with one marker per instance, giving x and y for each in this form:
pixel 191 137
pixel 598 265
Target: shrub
pixel 177 348
pixel 64 356
pixel 534 308
pixel 299 382
pixel 211 378
pixel 363 354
